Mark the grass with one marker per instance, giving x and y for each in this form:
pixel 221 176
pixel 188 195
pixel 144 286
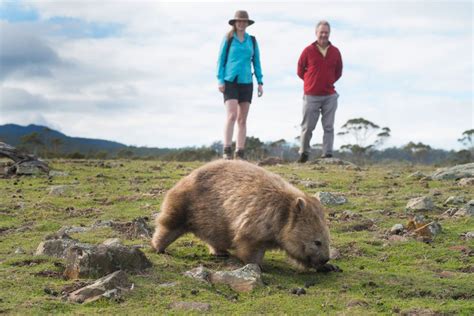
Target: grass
pixel 378 277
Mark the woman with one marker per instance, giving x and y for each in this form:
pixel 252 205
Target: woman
pixel 238 51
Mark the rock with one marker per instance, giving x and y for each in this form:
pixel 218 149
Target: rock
pixel 19 251
pixel 423 203
pixel 97 261
pixel 417 175
pixel 349 215
pixel 334 253
pixel 56 173
pixel 73 229
pixel 200 273
pixel 468 235
pixel 55 247
pixel 137 228
pixel 468 209
pixel 244 279
pixel 428 231
pixel 29 168
pixel 456 172
pixel 466 182
pixel 334 161
pixel 58 190
pixel 271 161
pixel 190 306
pixel 454 200
pixel 450 212
pixel 312 184
pixel 298 291
pixel 110 286
pixel 327 198
pixel 112 242
pixel 397 229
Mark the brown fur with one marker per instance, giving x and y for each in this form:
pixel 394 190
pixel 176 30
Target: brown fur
pixel 235 205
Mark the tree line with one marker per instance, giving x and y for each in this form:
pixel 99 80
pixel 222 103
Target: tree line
pixel 363 144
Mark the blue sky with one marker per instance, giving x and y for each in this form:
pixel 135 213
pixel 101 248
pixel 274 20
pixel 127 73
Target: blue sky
pixel 143 72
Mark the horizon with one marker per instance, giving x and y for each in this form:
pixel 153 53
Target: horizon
pixel 291 143
pixel 143 73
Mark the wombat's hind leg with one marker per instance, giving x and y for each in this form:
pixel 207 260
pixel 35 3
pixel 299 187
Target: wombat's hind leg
pixel 218 252
pixel 163 237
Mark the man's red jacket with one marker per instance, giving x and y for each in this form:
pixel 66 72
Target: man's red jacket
pixel 318 72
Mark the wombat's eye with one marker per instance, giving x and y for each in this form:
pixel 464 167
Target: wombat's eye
pixel 317 243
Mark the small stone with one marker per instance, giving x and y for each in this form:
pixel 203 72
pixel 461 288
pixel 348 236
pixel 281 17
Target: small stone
pixel 59 190
pixel 468 235
pixel 327 198
pixel 423 203
pixel 200 273
pixel 454 200
pixel 334 253
pixel 466 182
pixel 190 306
pixel 19 251
pixel 397 229
pixel 109 286
pixel 417 175
pixel 450 212
pixel 244 279
pixel 112 242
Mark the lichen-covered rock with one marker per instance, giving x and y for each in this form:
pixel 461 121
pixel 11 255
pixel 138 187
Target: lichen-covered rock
pixel 397 229
pixel 454 200
pixel 97 261
pixel 244 279
pixel 327 198
pixel 466 182
pixel 109 286
pixel 190 306
pixel 424 203
pixel 456 172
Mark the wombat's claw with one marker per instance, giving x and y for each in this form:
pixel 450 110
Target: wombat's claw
pixel 326 268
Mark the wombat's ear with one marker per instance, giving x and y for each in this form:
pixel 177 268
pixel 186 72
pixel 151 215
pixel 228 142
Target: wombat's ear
pixel 300 205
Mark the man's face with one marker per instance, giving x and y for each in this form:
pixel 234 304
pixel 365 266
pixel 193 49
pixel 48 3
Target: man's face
pixel 322 34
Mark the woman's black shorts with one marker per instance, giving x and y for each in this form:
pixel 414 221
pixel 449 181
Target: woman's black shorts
pixel 238 91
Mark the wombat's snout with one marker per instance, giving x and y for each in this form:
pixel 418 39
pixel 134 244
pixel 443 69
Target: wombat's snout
pixel 323 261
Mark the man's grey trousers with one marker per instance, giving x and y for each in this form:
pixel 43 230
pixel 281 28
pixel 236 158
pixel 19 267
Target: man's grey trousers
pixel 312 106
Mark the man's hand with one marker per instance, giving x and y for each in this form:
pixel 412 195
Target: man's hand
pixel 221 88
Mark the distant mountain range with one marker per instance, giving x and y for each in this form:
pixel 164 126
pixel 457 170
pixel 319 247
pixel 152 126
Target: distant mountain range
pixel 12 134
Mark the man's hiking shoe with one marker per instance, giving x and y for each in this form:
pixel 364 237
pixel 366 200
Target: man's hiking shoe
pixel 227 153
pixel 239 154
pixel 326 156
pixel 303 158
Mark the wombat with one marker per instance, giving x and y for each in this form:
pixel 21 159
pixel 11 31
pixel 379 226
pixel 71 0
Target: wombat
pixel 235 205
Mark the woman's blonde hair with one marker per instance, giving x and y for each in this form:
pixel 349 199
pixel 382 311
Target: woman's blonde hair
pixel 231 32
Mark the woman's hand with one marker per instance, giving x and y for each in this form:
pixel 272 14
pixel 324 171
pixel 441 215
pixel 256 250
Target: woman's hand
pixel 260 90
pixel 221 88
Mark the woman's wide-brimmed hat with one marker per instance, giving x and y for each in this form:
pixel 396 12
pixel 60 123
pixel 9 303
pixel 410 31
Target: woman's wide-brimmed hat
pixel 241 15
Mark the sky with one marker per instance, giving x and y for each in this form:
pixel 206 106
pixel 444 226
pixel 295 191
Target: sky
pixel 144 72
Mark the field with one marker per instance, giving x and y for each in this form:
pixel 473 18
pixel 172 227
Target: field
pixel 380 276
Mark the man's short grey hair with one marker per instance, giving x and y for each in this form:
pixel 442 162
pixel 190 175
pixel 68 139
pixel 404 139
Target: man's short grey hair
pixel 323 22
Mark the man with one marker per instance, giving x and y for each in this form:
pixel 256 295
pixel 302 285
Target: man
pixel 320 66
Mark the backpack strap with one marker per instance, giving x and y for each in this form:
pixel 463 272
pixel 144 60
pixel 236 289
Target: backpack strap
pixel 254 42
pixel 229 42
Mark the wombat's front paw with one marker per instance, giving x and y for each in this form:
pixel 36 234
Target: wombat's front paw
pixel 326 268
